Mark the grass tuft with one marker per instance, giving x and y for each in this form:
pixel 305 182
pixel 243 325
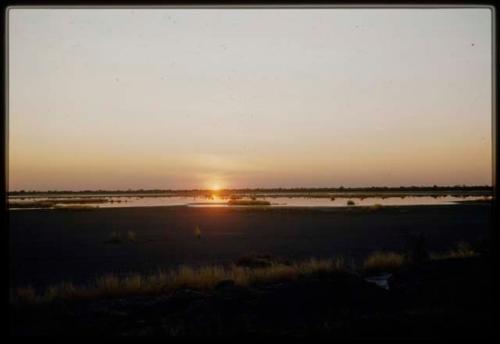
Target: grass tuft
pixel 376 206
pixel 382 262
pixel 197 232
pixel 461 250
pixel 25 295
pixel 131 236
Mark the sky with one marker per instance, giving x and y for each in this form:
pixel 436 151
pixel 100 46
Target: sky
pixel 245 98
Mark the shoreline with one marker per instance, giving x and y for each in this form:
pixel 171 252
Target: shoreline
pixel 272 206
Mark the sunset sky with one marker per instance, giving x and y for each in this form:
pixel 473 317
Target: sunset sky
pixel 236 98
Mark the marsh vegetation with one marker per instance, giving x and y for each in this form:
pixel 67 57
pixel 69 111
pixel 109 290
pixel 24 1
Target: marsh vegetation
pixel 201 278
pixel 244 272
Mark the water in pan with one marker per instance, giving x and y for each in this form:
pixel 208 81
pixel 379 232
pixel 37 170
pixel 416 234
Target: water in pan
pixel 201 201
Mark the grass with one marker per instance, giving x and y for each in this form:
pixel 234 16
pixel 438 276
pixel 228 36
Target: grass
pixel 382 262
pixel 461 250
pixel 26 295
pixel 131 236
pixel 391 261
pixel 207 277
pixel 202 278
pixel 197 232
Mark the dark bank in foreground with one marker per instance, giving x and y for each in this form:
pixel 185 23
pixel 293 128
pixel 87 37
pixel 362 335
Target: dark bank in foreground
pixel 53 246
pixel 448 297
pixel 110 260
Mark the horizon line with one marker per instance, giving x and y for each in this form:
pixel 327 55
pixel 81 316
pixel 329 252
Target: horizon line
pixel 462 186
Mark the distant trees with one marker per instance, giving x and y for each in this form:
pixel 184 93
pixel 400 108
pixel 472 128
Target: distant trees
pixel 248 190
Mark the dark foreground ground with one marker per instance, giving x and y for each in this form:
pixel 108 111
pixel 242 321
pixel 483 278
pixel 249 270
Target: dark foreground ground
pixel 440 298
pixel 444 299
pixel 51 246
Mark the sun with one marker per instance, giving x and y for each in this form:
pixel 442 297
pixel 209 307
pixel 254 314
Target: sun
pixel 215 187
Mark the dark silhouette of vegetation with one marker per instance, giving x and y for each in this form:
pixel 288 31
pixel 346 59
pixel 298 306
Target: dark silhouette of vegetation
pixel 248 202
pixel 485 188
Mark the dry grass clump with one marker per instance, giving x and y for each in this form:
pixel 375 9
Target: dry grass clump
pixel 281 272
pixel 461 250
pixel 25 295
pixel 201 278
pixel 205 277
pixel 197 232
pixel 131 236
pixel 383 262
